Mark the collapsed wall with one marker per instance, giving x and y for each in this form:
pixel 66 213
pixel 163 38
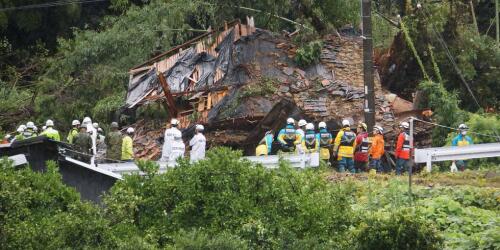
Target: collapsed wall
pixel 242 81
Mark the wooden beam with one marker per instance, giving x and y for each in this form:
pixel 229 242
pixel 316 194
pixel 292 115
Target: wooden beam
pixel 170 105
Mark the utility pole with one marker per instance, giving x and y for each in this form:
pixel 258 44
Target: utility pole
pixel 498 23
pixel 369 105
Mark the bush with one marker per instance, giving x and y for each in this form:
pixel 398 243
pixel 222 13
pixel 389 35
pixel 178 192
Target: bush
pixel 308 53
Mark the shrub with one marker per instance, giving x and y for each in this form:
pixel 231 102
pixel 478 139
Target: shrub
pixel 308 53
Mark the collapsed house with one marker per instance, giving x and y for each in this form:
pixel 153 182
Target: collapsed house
pixel 240 81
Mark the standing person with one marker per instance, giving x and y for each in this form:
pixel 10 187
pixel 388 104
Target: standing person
pixel 377 149
pixel 178 148
pixel 93 133
pixel 83 143
pixel 288 136
pixel 361 150
pixel 325 142
pixel 29 131
pixel 198 144
pixel 74 131
pixel 344 147
pixel 128 146
pixel 462 140
pixel 265 145
pixel 169 138
pixel 114 143
pixel 302 123
pixel 20 133
pixel 403 148
pixel 310 143
pixel 50 132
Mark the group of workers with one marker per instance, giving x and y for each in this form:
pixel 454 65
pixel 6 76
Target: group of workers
pixel 173 145
pixel 353 151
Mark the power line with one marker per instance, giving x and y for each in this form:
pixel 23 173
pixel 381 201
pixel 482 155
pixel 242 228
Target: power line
pixel 49 4
pixel 497 138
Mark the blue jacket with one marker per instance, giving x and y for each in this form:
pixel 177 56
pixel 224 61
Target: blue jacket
pixel 461 140
pixel 269 142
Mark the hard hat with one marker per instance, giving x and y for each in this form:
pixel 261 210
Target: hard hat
pixel 30 125
pixel 174 121
pixel 35 129
pixel 44 127
pixel 99 129
pixel 346 123
pixel 22 126
pixel 309 126
pixel 290 120
pixel 363 125
pixel 86 120
pixel 463 127
pixel 380 129
pixel 404 125
pixel 75 122
pixel 200 127
pixel 322 125
pixel 302 122
pixel 7 136
pixel 114 125
pixel 130 130
pixel 20 129
pixel 49 123
pixel 95 125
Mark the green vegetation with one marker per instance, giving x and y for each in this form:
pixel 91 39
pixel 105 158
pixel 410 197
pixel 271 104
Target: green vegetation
pixel 224 202
pixel 309 53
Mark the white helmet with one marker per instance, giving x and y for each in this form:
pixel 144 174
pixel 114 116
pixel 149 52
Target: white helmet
pixel 95 125
pixel 35 129
pixel 44 128
pixel 87 120
pixel 174 122
pixel 30 125
pixel 290 120
pixel 405 125
pixel 346 123
pixel 20 129
pixel 322 125
pixel 302 122
pixel 22 126
pixel 379 129
pixel 99 130
pixel 199 127
pixel 130 130
pixel 463 127
pixel 75 122
pixel 49 123
pixel 309 126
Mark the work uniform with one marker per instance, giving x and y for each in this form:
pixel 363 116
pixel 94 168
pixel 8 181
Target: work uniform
pixel 361 152
pixel 310 143
pixel 18 137
pixel 376 152
pixel 127 149
pixel 300 132
pixel 265 145
pixel 83 143
pixel 344 146
pixel 289 138
pixel 51 134
pixel 167 142
pixel 28 133
pixel 325 142
pixel 198 145
pixel 402 152
pixel 72 133
pixel 461 141
pixel 178 149
pixel 114 142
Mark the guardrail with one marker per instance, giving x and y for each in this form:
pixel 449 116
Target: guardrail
pixel 430 155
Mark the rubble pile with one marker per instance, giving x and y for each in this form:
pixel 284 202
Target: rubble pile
pixel 245 82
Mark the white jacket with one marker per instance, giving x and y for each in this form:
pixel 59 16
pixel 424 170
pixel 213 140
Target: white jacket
pixel 197 144
pixel 168 140
pixel 93 134
pixel 177 150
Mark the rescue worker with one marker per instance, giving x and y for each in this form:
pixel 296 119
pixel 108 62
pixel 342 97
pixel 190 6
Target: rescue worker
pixel 325 142
pixel 403 148
pixel 302 123
pixel 198 144
pixel 6 139
pixel 29 130
pixel 93 133
pixel 288 136
pixel 50 132
pixel 74 131
pixel 310 143
pixel 178 148
pixel 114 143
pixel 83 143
pixel 361 149
pixel 128 146
pixel 344 147
pixel 20 134
pixel 462 139
pixel 377 149
pixel 265 145
pixel 169 138
pixel 44 128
